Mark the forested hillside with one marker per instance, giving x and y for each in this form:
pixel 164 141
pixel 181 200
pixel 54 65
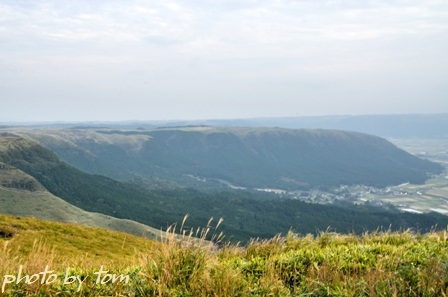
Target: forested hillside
pixel 245 214
pixel 245 157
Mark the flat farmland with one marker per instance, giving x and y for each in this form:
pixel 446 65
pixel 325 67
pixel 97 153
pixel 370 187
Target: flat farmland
pixel 431 196
pixel 432 149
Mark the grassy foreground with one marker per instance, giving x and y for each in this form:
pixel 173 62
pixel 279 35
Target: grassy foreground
pixel 40 258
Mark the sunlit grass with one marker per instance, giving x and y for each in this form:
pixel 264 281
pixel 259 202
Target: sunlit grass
pixel 198 263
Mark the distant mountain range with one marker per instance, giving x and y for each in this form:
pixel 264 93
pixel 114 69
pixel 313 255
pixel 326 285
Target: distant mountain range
pixel 242 157
pixel 389 126
pixel 264 157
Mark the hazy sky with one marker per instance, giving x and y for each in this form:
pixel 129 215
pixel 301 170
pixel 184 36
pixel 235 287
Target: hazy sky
pixel 201 59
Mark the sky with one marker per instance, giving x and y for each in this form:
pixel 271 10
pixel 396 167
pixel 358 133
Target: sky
pixel 118 60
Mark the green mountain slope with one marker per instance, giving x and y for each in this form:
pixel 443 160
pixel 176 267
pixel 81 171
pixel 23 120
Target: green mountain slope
pixel 246 157
pixel 92 193
pixel 44 205
pixel 285 158
pixel 23 195
pixel 245 214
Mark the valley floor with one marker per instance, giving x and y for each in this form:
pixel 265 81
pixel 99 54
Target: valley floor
pixel 432 196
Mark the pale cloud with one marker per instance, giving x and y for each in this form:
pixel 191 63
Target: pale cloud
pixel 221 58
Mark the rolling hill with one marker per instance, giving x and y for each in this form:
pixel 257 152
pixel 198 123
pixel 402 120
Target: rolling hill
pixel 245 157
pixel 44 205
pixel 22 195
pixel 246 215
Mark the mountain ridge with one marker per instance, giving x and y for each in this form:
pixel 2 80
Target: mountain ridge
pixel 246 215
pixel 246 157
pixel 433 125
pixel 22 195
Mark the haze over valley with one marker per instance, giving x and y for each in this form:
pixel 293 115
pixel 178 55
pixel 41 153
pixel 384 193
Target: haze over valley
pixel 277 178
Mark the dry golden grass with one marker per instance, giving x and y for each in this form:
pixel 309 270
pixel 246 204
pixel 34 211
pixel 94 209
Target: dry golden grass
pixel 374 264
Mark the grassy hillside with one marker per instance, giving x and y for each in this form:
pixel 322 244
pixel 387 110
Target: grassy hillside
pixel 44 205
pixel 372 264
pixel 246 215
pixel 247 157
pixel 68 242
pixel 23 195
